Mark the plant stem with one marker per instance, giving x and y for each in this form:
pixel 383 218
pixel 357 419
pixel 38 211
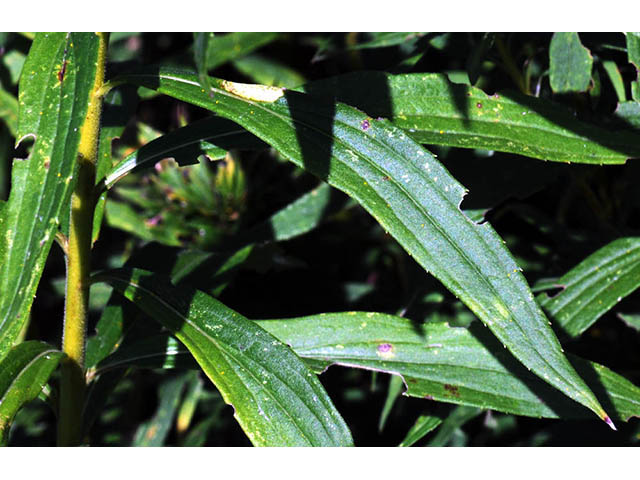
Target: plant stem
pixel 72 384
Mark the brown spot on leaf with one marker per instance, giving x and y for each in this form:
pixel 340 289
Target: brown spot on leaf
pixel 452 389
pixel 62 71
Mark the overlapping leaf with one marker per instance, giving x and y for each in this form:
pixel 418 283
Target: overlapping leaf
pixel 277 400
pixel 212 137
pixel 54 93
pixel 436 362
pixel 594 286
pixel 439 362
pixel 23 373
pixel 569 63
pixel 409 193
pixel 434 110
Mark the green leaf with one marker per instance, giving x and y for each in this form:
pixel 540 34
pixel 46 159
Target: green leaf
pixel 630 320
pixel 393 391
pixel 436 362
pixel 118 107
pixel 434 110
pixel 633 51
pixel 409 193
pixel 9 111
pixel 569 63
pixel 200 48
pixel 122 216
pixel 594 286
pixel 154 432
pixel 633 48
pixel 629 112
pixel 223 48
pixel 268 72
pixel 53 112
pixel 23 372
pixel 277 399
pixel 388 39
pixel 616 79
pixel 424 424
pixel 212 137
pixel 193 393
pixel 13 61
pixel 299 217
pixel 447 364
pixel 456 419
pixel 154 351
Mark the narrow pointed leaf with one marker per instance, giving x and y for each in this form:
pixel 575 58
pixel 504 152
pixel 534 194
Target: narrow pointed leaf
pixel 118 107
pixel 154 351
pixel 436 362
pixel 409 193
pixel 434 110
pixel 299 217
pixel 23 373
pixel 54 94
pixel 393 392
pixel 448 364
pixel 268 72
pixel 424 424
pixel 616 79
pixel 222 48
pixel 200 48
pixel 212 137
pixel 594 286
pixel 153 433
pixel 278 401
pixel 631 320
pixel 569 63
pixel 456 419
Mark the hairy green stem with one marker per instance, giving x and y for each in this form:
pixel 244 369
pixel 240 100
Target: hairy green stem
pixel 72 383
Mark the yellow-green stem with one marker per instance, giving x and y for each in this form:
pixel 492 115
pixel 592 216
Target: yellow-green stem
pixel 72 383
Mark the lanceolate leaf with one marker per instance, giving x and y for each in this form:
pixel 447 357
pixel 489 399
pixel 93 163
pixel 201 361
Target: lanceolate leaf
pixel 154 432
pixel 222 48
pixel 278 401
pixel 456 419
pixel 118 107
pixel 212 137
pixel 594 286
pixel 268 72
pixel 54 93
pixel 443 363
pixel 435 361
pixel 434 110
pixel 409 193
pixel 23 373
pixel 424 424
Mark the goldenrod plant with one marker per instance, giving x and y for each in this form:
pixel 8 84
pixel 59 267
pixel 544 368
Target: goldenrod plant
pixel 449 221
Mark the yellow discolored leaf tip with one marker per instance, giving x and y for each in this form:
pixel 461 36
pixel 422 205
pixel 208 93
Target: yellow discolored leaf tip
pixel 259 93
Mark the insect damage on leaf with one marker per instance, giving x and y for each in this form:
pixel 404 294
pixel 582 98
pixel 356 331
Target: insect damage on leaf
pixel 259 93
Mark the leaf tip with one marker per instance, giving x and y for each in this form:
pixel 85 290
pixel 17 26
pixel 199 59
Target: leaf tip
pixel 609 422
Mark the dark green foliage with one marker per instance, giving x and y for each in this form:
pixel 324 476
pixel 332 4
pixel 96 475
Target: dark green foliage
pixel 466 202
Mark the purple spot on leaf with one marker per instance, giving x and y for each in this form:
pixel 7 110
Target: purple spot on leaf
pixel 365 124
pixel 384 347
